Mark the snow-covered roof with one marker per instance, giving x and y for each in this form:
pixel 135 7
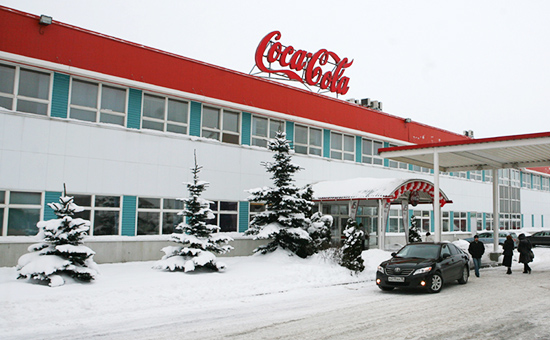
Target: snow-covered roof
pixel 390 189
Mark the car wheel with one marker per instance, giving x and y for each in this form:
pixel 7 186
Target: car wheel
pixel 386 289
pixel 436 283
pixel 465 275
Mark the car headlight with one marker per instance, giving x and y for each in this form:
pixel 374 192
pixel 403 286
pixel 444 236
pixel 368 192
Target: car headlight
pixel 422 270
pixel 381 269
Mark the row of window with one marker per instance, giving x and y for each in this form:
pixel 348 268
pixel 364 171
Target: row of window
pixel 20 211
pixel 459 221
pixel 29 90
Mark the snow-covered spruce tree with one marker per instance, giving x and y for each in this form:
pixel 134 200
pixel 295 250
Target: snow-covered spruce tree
pixel 61 252
pixel 353 247
pixel 287 208
pixel 319 231
pixel 414 233
pixel 197 240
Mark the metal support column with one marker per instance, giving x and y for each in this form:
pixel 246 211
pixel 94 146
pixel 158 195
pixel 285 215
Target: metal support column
pixel 436 205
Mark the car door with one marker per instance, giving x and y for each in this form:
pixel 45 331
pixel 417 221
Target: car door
pixel 451 266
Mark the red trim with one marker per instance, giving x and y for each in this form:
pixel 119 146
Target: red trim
pixel 68 45
pixel 467 142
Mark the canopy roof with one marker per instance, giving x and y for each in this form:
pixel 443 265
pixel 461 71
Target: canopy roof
pixel 519 151
pixel 393 190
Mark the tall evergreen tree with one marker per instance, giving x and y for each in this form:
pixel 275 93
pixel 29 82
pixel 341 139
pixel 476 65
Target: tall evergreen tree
pixel 286 218
pixel 61 252
pixel 353 247
pixel 197 240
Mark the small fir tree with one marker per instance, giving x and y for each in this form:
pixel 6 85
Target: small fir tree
pixel 414 233
pixel 286 218
pixel 353 247
pixel 61 252
pixel 197 240
pixel 319 231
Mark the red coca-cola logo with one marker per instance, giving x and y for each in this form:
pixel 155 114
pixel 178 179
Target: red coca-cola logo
pixel 312 66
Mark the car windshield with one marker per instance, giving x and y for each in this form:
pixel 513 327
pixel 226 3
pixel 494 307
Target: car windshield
pixel 423 251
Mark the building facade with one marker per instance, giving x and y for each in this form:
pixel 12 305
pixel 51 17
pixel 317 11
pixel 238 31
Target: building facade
pixel 118 124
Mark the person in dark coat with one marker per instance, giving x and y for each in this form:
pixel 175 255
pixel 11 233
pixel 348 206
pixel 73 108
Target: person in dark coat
pixel 476 249
pixel 524 248
pixel 508 248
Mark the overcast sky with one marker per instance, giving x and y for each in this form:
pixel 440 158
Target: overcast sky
pixel 458 65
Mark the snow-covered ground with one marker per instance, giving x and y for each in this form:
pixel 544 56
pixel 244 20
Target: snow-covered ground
pixel 257 297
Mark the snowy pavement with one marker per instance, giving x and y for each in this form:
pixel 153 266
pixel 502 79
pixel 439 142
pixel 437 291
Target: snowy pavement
pixel 276 297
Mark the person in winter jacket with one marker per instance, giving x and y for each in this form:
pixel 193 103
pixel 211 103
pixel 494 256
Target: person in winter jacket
pixel 476 249
pixel 524 248
pixel 508 248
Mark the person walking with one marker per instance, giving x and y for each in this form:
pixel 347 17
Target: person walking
pixel 508 248
pixel 525 253
pixel 476 249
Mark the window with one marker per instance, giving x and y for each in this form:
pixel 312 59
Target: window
pixel 477 220
pixel 421 169
pixel 460 174
pixel 515 178
pixel 256 208
pixel 527 180
pixel 423 218
pixel 536 182
pixel 226 215
pixel 395 221
pixel 460 221
pixel 395 164
pixel 545 183
pixel 165 114
pixel 308 140
pixel 94 102
pixel 155 212
pixel 103 212
pixel 20 212
pixel 342 146
pixel 370 151
pixel 264 129
pixel 222 125
pixel 445 221
pixel 476 175
pixel 24 90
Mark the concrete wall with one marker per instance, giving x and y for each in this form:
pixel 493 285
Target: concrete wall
pixel 125 249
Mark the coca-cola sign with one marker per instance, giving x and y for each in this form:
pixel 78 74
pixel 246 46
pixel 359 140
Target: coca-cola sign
pixel 323 68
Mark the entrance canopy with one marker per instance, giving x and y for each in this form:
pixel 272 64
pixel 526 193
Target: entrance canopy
pixel 519 151
pixel 390 190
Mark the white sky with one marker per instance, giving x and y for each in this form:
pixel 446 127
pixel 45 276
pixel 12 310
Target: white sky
pixel 457 65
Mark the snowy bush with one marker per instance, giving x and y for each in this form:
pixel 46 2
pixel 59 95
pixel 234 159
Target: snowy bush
pixel 319 230
pixel 61 253
pixel 197 240
pixel 285 220
pixel 353 247
pixel 414 231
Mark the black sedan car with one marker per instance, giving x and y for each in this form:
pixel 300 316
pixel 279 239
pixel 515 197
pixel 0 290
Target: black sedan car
pixel 541 238
pixel 424 265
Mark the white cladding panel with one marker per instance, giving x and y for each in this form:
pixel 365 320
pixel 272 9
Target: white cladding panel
pixel 41 153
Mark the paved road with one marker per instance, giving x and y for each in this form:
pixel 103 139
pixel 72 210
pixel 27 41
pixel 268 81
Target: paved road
pixel 495 306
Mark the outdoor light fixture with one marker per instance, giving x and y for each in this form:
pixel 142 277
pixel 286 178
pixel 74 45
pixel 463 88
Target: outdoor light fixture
pixel 407 120
pixel 45 20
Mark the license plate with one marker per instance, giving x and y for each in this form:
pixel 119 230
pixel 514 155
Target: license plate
pixel 396 279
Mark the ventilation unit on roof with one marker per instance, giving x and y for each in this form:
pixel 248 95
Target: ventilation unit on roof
pixel 366 102
pixel 469 133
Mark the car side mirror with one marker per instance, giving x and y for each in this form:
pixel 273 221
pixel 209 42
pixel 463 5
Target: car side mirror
pixel 446 256
pixel 393 254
